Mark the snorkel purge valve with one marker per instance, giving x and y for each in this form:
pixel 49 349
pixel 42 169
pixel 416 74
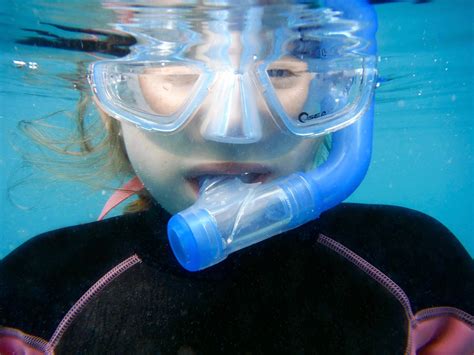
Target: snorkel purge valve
pixel 230 215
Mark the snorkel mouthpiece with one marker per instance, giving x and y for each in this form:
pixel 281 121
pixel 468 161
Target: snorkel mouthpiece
pixel 230 215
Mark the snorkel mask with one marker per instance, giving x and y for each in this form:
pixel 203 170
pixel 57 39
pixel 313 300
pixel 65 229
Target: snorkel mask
pixel 326 55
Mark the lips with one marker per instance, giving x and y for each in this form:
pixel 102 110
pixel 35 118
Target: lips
pixel 247 172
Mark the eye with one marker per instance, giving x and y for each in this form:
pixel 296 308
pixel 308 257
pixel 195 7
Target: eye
pixel 279 73
pixel 283 78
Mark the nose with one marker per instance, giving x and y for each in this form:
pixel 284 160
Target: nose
pixel 233 115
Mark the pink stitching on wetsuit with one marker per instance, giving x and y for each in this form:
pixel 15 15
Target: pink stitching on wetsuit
pixel 88 296
pixel 399 294
pixel 373 272
pixel 35 342
pixel 445 311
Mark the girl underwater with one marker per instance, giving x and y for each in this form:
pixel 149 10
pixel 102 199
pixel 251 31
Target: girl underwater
pixel 246 246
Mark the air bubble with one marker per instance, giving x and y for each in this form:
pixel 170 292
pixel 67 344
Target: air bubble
pixel 19 63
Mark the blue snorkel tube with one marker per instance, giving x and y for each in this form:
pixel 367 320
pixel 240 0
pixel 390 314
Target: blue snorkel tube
pixel 230 215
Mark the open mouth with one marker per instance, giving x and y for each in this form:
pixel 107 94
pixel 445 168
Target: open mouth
pixel 247 173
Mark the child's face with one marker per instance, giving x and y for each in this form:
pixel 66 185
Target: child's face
pixel 170 165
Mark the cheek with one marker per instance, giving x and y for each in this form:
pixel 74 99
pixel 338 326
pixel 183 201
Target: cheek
pixel 293 99
pixel 158 169
pixel 301 157
pixel 163 97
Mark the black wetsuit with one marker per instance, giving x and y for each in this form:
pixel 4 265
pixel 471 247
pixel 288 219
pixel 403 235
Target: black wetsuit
pixel 289 294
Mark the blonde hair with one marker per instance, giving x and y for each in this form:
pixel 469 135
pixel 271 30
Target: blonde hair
pixel 82 147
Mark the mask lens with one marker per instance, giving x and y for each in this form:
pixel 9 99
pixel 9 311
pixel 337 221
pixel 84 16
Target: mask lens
pixel 165 89
pixel 318 96
pixel 156 92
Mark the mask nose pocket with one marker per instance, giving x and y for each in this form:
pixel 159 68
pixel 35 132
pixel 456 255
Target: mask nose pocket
pixel 234 117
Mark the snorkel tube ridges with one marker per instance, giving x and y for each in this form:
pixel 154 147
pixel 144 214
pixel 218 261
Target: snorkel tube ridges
pixel 230 215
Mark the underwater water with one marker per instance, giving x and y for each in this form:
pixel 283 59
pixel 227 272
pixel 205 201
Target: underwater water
pixel 423 138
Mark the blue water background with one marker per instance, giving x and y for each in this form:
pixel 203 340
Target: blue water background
pixel 423 139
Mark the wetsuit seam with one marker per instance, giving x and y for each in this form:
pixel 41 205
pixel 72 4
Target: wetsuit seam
pixel 34 341
pixel 432 312
pixel 87 297
pixel 377 275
